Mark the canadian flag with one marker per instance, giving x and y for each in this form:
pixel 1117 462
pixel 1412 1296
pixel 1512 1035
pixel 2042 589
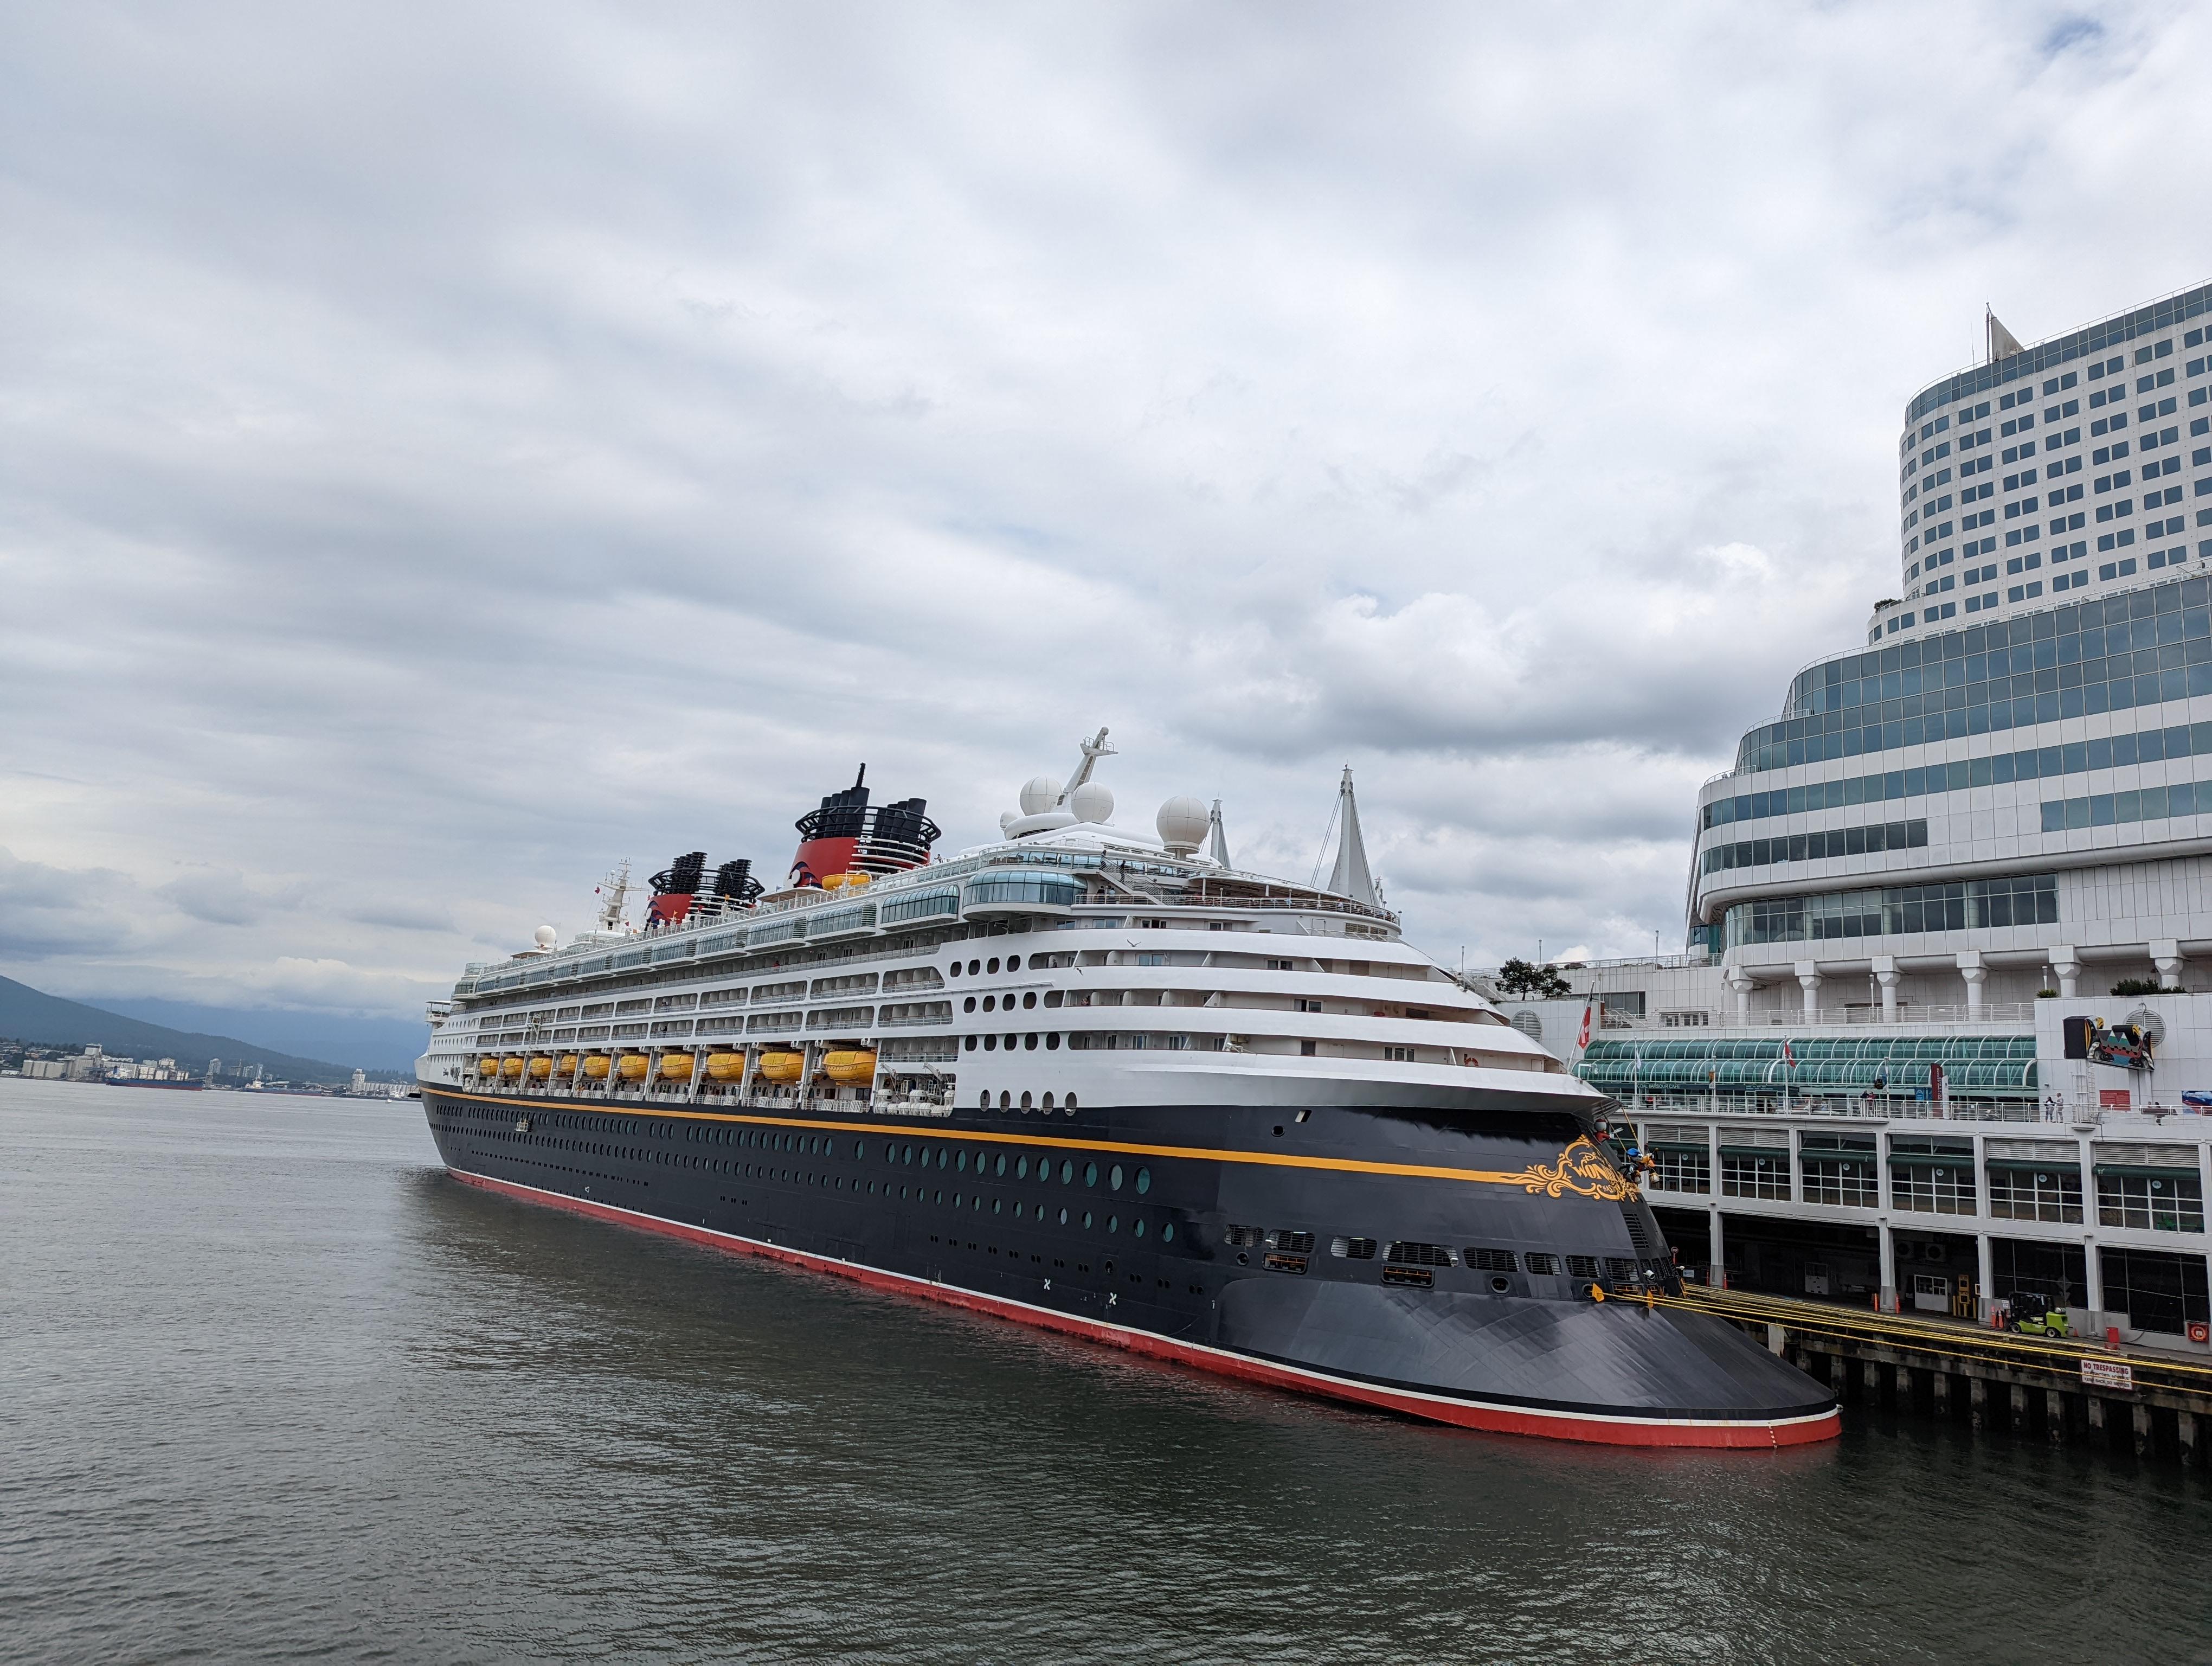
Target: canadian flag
pixel 1582 1040
pixel 1789 1058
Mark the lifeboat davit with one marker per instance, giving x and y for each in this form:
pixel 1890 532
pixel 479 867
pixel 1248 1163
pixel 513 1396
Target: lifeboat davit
pixel 676 1067
pixel 782 1067
pixel 724 1067
pixel 596 1067
pixel 632 1066
pixel 850 1067
pixel 511 1067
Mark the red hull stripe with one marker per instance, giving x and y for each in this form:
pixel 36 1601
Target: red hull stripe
pixel 1761 1435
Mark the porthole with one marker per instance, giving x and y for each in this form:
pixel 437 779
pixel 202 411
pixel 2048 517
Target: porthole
pixel 1014 963
pixel 1052 1041
pixel 1063 1217
pixel 971 1048
pixel 956 1199
pixel 936 1197
pixel 1113 1223
pixel 973 967
pixel 960 1163
pixel 993 966
pixel 859 1151
pixel 1021 1168
pixel 1501 1284
pixel 990 1002
pixel 1047 1101
pixel 1167 1232
pixel 1011 1039
pixel 954 968
pixel 1137 1226
pixel 997 1205
pixel 1086 1220
pixel 1144 1182
pixel 1005 1100
pixel 1066 1171
pixel 1068 1105
pixel 986 1100
pixel 968 1005
pixel 1114 1178
pixel 906 1154
pixel 1025 1100
pixel 1018 1209
pixel 1090 1174
pixel 999 1166
pixel 943 1156
pixel 1030 1000
pixel 990 1043
pixel 1029 1040
pixel 982 1161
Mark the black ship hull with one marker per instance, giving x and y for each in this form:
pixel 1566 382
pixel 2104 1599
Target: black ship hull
pixel 1485 1270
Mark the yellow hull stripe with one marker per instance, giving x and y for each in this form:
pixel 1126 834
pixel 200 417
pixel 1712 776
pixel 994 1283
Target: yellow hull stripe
pixel 1528 1179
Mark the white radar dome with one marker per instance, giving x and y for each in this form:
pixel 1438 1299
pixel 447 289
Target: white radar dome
pixel 1183 822
pixel 545 937
pixel 1093 801
pixel 1039 794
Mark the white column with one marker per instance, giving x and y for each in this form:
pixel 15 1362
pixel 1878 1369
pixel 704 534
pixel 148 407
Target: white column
pixel 2066 963
pixel 1743 984
pixel 1809 979
pixel 2165 956
pixel 1889 1269
pixel 2095 1276
pixel 1718 1274
pixel 1985 1271
pixel 1975 974
pixel 1886 975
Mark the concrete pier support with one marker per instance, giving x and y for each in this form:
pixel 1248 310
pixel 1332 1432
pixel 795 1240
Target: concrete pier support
pixel 2096 1409
pixel 2185 1436
pixel 1870 1376
pixel 1977 1403
pixel 2143 1431
pixel 2019 1408
pixel 1940 1385
pixel 2055 1418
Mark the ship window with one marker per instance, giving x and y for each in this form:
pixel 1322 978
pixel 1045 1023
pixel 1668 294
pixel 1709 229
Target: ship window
pixel 1047 1101
pixel 1014 963
pixel 1063 1217
pixel 960 1163
pixel 973 967
pixel 993 966
pixel 1113 1224
pixel 1021 1168
pixel 1030 1000
pixel 1137 1225
pixel 1052 1041
pixel 1144 1182
pixel 1053 997
pixel 1090 1174
pixel 860 1150
pixel 1018 1209
pixel 1025 1100
pixel 971 1048
pixel 990 1043
pixel 968 1005
pixel 1167 1232
pixel 1030 1042
pixel 1068 1105
pixel 906 1154
pixel 1005 1100
pixel 1114 1177
pixel 954 968
pixel 989 1002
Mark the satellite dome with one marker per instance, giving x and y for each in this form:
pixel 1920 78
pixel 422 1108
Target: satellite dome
pixel 1093 801
pixel 1183 822
pixel 1039 794
pixel 545 937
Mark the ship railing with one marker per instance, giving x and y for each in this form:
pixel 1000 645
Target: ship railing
pixel 2012 1014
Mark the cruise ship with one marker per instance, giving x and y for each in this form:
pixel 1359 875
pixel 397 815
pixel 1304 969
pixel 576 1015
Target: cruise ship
pixel 1109 1085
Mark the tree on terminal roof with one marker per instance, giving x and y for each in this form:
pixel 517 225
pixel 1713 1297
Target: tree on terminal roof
pixel 1531 982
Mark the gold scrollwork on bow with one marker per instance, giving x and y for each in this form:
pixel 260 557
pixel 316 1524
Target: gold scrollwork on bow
pixel 1582 1169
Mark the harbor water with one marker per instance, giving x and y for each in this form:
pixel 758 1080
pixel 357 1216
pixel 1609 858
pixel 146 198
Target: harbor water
pixel 272 1387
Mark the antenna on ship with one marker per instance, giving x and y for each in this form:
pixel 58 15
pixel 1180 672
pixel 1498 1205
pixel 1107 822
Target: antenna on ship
pixel 614 892
pixel 1218 848
pixel 1351 877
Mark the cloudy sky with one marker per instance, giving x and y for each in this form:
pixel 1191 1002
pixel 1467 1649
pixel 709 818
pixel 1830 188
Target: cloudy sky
pixel 443 450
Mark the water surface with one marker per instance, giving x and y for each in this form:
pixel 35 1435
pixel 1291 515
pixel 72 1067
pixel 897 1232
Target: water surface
pixel 272 1387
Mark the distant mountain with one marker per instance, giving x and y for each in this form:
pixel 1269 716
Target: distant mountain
pixel 373 1043
pixel 28 1015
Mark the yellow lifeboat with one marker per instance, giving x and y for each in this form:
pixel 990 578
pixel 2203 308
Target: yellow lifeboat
pixel 783 1066
pixel 848 1069
pixel 632 1066
pixel 511 1067
pixel 541 1068
pixel 568 1064
pixel 487 1067
pixel 724 1067
pixel 596 1067
pixel 676 1067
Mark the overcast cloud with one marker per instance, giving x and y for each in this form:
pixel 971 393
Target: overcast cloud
pixel 443 450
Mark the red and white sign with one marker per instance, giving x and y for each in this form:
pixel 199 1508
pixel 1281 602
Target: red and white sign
pixel 1582 1040
pixel 2113 1099
pixel 2199 1331
pixel 2107 1373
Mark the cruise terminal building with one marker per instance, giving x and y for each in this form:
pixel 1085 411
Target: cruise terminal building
pixel 1890 1063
